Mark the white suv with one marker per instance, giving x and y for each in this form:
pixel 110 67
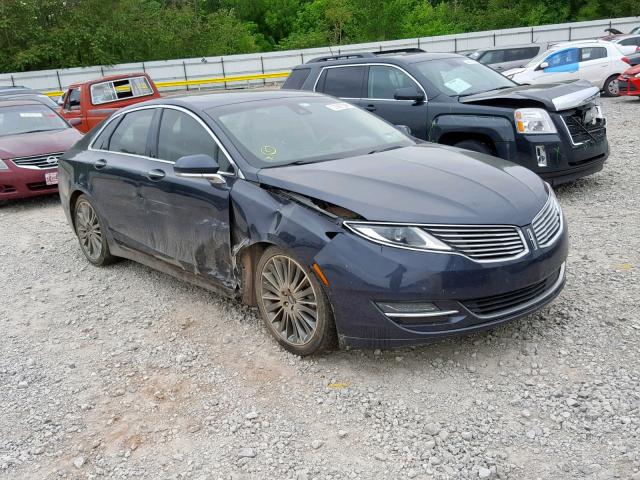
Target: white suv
pixel 596 61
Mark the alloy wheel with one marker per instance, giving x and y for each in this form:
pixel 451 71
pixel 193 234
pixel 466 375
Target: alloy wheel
pixel 289 300
pixel 613 88
pixel 89 231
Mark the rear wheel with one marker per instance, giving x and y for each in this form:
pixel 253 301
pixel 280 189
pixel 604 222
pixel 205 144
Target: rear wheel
pixel 292 304
pixel 611 86
pixel 90 233
pixel 476 146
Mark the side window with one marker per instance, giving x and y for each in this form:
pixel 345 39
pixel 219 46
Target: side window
pixel 72 100
pixel 563 58
pixel 297 78
pixel 384 81
pixel 130 136
pixel 592 53
pixel 525 53
pixel 343 82
pixel 181 135
pixel 630 41
pixel 493 56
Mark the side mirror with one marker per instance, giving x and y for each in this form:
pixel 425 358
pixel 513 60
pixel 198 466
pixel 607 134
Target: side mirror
pixel 543 65
pixel 404 129
pixel 74 121
pixel 200 165
pixel 409 93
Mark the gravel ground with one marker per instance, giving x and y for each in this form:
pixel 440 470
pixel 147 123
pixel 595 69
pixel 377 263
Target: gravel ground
pixel 124 372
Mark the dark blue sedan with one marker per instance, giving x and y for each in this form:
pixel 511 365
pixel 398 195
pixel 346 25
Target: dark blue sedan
pixel 334 223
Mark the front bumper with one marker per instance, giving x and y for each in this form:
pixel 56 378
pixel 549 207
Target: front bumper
pixel 18 182
pixel 453 283
pixel 566 161
pixel 628 86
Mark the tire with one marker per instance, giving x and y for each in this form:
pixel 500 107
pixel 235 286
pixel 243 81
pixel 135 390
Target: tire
pixel 280 280
pixel 91 233
pixel 476 146
pixel 610 88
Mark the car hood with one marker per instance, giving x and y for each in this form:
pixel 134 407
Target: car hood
pixel 426 183
pixel 552 96
pixel 38 143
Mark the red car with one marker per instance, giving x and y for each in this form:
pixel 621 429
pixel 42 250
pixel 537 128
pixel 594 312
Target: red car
pixel 32 136
pixel 84 105
pixel 629 82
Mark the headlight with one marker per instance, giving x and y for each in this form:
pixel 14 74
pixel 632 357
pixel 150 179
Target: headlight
pixel 3 166
pixel 404 236
pixel 533 120
pixel 637 75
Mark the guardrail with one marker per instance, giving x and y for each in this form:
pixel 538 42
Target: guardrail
pixel 255 69
pixel 204 81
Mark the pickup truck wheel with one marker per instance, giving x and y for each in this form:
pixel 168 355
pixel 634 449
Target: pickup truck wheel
pixel 611 86
pixel 476 146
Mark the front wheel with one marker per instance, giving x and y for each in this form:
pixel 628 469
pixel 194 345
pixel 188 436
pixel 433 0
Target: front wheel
pixel 611 88
pixel 292 304
pixel 90 233
pixel 476 146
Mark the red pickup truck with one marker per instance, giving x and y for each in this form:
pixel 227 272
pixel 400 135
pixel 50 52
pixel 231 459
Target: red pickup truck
pixel 84 105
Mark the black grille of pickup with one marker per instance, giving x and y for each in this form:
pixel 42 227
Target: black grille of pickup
pixel 490 306
pixel 581 132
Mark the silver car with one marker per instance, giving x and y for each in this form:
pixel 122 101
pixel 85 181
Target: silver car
pixel 506 58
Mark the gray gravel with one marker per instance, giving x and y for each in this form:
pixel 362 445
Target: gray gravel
pixel 124 372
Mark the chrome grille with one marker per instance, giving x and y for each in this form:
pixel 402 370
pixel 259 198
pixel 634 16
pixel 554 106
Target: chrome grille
pixel 548 223
pixel 482 242
pixel 38 162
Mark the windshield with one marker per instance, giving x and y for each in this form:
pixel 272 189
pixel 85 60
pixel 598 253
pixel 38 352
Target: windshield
pixel 17 119
pixel 303 130
pixel 456 76
pixel 474 55
pixel 535 61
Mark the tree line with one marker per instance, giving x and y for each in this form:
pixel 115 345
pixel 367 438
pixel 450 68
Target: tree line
pixel 47 34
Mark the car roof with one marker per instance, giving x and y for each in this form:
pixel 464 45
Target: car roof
pixel 507 47
pixel 377 57
pixel 211 100
pixel 8 89
pixel 17 103
pixel 109 78
pixel 620 36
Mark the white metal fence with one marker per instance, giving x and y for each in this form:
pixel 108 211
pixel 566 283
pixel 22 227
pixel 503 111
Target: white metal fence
pixel 265 63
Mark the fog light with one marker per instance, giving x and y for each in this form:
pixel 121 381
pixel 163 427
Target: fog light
pixel 416 311
pixel 541 155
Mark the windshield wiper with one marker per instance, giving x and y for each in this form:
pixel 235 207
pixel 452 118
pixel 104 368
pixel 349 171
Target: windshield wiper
pixel 384 149
pixel 39 130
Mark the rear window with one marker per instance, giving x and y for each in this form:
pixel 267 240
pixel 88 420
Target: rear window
pixel 297 78
pixel 113 91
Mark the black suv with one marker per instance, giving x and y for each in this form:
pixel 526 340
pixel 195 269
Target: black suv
pixel 556 130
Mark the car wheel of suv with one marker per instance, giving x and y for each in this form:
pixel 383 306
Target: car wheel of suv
pixel 292 304
pixel 611 86
pixel 90 233
pixel 476 146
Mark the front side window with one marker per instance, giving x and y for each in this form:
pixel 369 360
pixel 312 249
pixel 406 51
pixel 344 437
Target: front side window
pixel 344 82
pixel 181 135
pixel 130 136
pixel 72 100
pixel 384 81
pixel 563 58
pixel 303 130
pixel 592 53
pixel 15 120
pixel 112 91
pixel 455 76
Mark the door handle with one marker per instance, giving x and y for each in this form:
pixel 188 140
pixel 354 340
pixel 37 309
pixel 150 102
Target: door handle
pixel 371 108
pixel 155 175
pixel 100 164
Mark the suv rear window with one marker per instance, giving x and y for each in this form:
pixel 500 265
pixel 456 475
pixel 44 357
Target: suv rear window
pixel 113 91
pixel 297 78
pixel 344 82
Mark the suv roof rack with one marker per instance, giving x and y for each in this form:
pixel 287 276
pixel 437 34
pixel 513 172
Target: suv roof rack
pixel 347 56
pixel 344 56
pixel 400 50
